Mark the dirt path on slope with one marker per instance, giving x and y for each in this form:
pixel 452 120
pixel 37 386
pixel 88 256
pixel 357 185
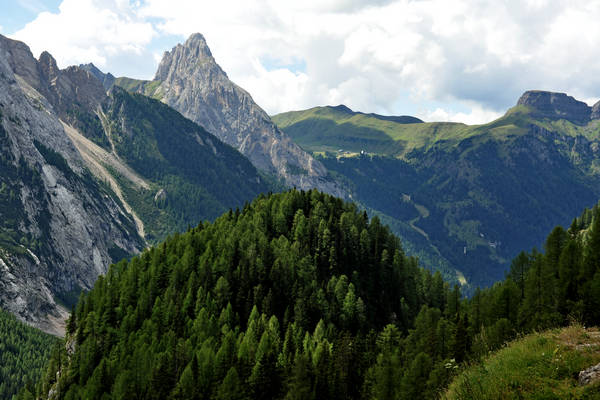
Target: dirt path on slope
pixel 96 158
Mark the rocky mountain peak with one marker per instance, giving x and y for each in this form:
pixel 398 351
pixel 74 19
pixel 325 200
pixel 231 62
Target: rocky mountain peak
pixel 196 42
pixel 556 106
pixel 107 79
pixel 21 61
pixel 192 82
pixel 48 66
pixel 194 55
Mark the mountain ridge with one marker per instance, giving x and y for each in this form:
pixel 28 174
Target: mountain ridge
pixel 557 105
pixel 446 188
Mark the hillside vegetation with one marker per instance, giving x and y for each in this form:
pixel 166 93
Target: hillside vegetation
pixel 448 189
pixel 192 175
pixel 337 128
pixel 24 354
pixel 539 366
pixel 299 295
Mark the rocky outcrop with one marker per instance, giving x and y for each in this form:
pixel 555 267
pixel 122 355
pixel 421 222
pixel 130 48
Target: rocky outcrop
pixel 59 229
pixel 21 61
pixel 194 84
pixel 107 79
pixel 556 106
pixel 596 111
pixel 71 91
pixel 589 376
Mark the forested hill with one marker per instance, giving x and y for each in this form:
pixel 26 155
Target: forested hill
pixel 300 296
pixel 292 296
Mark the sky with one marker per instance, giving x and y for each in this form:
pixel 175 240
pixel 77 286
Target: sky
pixel 439 60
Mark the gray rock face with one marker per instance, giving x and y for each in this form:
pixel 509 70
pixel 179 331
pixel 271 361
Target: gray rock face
pixel 596 111
pixel 196 86
pixel 589 376
pixel 69 90
pixel 556 106
pixel 58 227
pixel 72 91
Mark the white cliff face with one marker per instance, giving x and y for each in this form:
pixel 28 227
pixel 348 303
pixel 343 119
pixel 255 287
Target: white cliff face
pixel 60 227
pixel 194 84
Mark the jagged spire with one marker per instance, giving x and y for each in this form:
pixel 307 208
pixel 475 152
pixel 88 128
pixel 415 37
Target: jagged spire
pixel 192 82
pixel 194 53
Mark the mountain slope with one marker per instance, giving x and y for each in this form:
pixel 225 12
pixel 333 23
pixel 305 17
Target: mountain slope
pixel 189 80
pixel 191 175
pixel 59 228
pixel 465 197
pixel 168 172
pixel 339 128
pixel 541 291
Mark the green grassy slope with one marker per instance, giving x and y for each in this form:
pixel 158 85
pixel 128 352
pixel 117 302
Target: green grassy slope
pixel 539 366
pixel 335 128
pixel 147 88
pixel 331 129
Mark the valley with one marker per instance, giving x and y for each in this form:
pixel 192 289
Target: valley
pixel 468 178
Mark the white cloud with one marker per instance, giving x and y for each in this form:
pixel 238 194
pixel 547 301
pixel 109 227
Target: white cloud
pixel 88 31
pixel 477 115
pixel 370 55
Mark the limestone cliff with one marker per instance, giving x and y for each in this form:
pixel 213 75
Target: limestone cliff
pixel 59 228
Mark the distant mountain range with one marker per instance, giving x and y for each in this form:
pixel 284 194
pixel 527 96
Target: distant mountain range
pixel 465 198
pixel 96 168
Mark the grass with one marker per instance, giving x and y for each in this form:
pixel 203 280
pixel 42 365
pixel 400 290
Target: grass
pixel 327 128
pixel 331 129
pixel 538 366
pixel 147 88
